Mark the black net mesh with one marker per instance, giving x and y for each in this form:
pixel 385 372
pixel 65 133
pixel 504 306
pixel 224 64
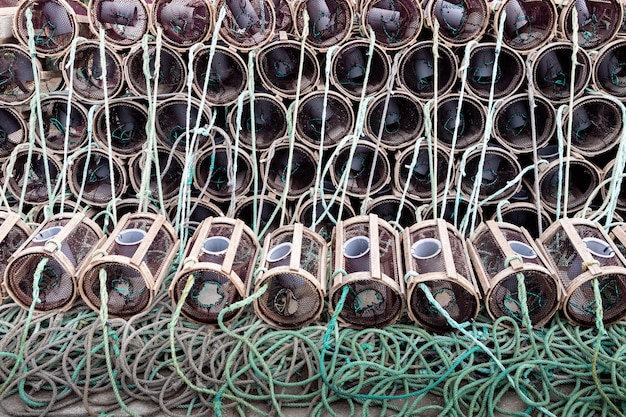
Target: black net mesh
pixel 339 119
pixel 403 121
pixel 560 249
pixel 126 288
pixel 610 69
pixel 127 125
pixel 512 123
pixel 302 176
pixel 172 71
pixel 171 174
pixel 528 24
pixel 584 178
pixel 35 175
pixel 552 71
pixel 17 83
pixel 525 216
pixel 452 214
pixel 200 210
pixel 278 64
pixel 460 21
pixel 417 70
pixel 498 170
pixel 360 168
pixel 95 172
pixel 419 179
pixel 349 67
pixel 596 125
pixel 510 72
pixel 80 243
pixel 184 22
pixel 395 22
pixel 228 76
pixel 270 121
pixel 9 245
pixel 172 121
pixel 489 253
pixel 471 121
pixel 330 21
pixel 621 199
pixel 284 16
pixel 248 23
pixel 88 72
pixel 53 22
pixel 54 112
pixel 265 209
pixel 213 166
pixel 598 21
pixel 124 22
pixel 388 208
pixel 12 130
pixel 326 225
pixel 581 305
pixel 460 304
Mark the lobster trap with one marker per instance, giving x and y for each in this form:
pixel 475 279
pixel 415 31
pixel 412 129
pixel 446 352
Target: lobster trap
pixel 12 131
pixel 529 24
pixel 172 75
pixel 135 258
pixel 366 261
pixel 419 186
pixel 227 77
pixel 33 174
pixel 299 163
pixel 13 233
pixel 333 113
pixel 294 269
pixel 510 71
pixel 583 255
pixel 323 213
pixel 402 123
pixel 184 22
pixel 248 24
pixel 330 22
pixel 608 72
pixel 65 243
pixel 124 22
pixel 503 254
pixel 459 22
pixel 126 122
pixel 92 179
pixel 220 257
pixel 598 21
pixel 56 124
pixel 435 255
pixel 396 23
pixel 17 80
pixel 265 123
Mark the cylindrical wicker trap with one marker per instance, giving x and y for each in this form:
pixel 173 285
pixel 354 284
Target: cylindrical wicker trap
pixel 215 166
pixel 609 72
pixel 124 22
pixel 471 121
pixel 509 76
pixel 300 166
pixel 396 23
pixel 330 21
pixel 598 21
pixel 420 185
pixel 174 115
pixel 184 22
pixel 34 174
pixel 269 122
pixel 54 112
pixel 248 24
pixel 17 81
pixel 337 120
pixel 13 130
pixel 529 24
pixel 227 78
pixel 13 233
pixel 402 123
pixel 172 74
pixel 326 214
pixel 459 21
pixel 359 168
pixel 127 124
pixel 91 178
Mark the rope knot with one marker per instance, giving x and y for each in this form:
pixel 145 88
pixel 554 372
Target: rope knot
pixel 509 259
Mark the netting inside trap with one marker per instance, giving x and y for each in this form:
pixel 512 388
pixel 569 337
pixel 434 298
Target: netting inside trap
pixel 452 213
pixel 35 176
pixel 91 174
pixel 526 217
pixel 454 298
pixel 610 69
pixel 498 169
pixel 248 23
pixel 284 16
pixel 127 126
pixel 513 127
pixel 12 131
pixel 270 121
pixel 349 68
pixel 54 112
pixel 509 72
pixel 330 21
pixel 278 65
pixel 528 24
pixel 417 70
pixel 326 224
pixel 581 305
pixel 552 70
pixel 598 21
pixel 402 122
pixel 583 180
pixel 460 22
pixel 172 71
pixel 53 22
pixel 228 76
pixel 171 171
pixel 9 245
pixel 360 167
pixel 124 22
pixel 420 186
pixel 471 121
pixel 338 124
pixel 125 286
pixel 302 175
pixel 172 122
pixel 388 209
pixel 596 126
pixel 17 83
pixel 395 23
pixel 184 22
pixel 265 208
pixel 214 168
pixel 88 73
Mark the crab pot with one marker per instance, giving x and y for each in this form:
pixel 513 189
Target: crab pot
pixel 454 210
pixel 67 241
pixel 402 123
pixel 89 83
pixel 551 68
pixel 122 207
pixel 284 16
pixel 581 252
pixel 359 168
pixel 275 168
pixel 498 170
pixel 607 173
pixel 54 22
pixel 171 168
pixel 472 119
pixel 212 173
pixel 124 22
pixel 269 124
pixel 221 257
pixel 54 113
pixel 366 254
pixel 338 119
pixel 349 64
pixel 326 214
pixel 420 186
pixel 136 258
pixel 228 76
pixel 91 178
pixel 396 24
pixel 510 72
pixel 34 175
pixel 172 76
pixel 39 213
pixel 490 248
pixel 435 255
pixel 529 24
pixel 459 21
pixel 609 72
pixel 417 70
pixel 127 124
pixel 172 120
pixel 596 125
pixel 512 123
pixel 13 130
pixel 294 261
pixel 184 23
pixel 13 233
pixel 330 22
pixel 199 210
pixel 248 24
pixel 17 81
pixel 268 213
pixel 524 214
pixel 598 21
pixel 278 64
pixel 387 208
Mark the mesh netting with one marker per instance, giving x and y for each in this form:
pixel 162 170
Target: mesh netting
pixel 17 83
pixel 54 112
pixel 248 23
pixel 12 130
pixel 54 24
pixel 360 169
pixel 200 210
pixel 529 24
pixel 471 121
pixel 490 254
pixel 88 72
pixel 172 71
pixel 284 16
pixel 36 191
pixel 370 303
pixel 171 168
pixel 621 199
pixel 403 121
pixel 349 67
pixel 387 208
pixel 598 21
pixel 339 119
pixel 330 21
pixel 596 126
pixel 552 68
pixel 80 243
pixel 498 170
pixel 610 69
pixel 512 123
pixel 127 125
pixel 419 180
pixel 92 174
pixel 510 71
pixel 184 22
pixel 452 214
pixel 278 64
pixel 124 22
pixel 265 208
pixel 525 215
pixel 9 245
pixel 228 76
pixel 460 22
pixel 302 176
pixel 396 23
pixel 581 305
pixel 584 178
pixel 172 122
pixel 460 304
pixel 270 121
pixel 214 167
pixel 417 70
pixel 326 225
